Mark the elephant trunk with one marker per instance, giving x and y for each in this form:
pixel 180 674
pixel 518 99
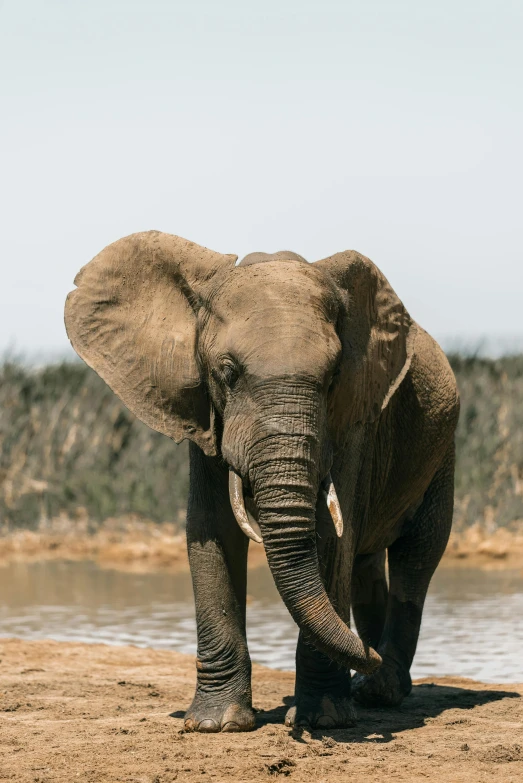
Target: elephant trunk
pixel 285 491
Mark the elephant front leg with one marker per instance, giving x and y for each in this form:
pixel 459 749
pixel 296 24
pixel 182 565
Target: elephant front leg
pixel 222 701
pixel 323 689
pixel 218 560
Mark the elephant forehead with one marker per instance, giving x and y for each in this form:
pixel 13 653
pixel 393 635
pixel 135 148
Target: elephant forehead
pixel 289 287
pixel 276 318
pixel 286 347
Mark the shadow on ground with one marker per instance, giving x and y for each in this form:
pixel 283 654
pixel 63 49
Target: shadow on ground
pixel 426 702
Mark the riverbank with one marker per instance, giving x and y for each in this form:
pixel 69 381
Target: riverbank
pixel 135 545
pixel 94 713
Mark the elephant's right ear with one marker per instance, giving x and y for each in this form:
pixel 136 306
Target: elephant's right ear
pixel 133 319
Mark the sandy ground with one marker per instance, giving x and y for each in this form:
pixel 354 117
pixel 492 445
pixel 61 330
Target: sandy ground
pixel 144 546
pixel 74 712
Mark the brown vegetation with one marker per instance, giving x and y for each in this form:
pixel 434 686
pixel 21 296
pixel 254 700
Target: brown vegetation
pixel 80 477
pixel 69 447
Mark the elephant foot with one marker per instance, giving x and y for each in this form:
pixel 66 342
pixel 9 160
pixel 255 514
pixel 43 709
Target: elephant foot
pixel 210 718
pixel 387 687
pixel 321 712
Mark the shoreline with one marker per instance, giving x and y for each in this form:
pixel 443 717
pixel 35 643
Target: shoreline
pixel 135 545
pixel 72 711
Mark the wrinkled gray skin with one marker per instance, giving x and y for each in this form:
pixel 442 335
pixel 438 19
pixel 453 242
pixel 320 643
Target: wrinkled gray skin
pixel 283 371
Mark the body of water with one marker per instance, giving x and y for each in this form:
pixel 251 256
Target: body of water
pixel 472 624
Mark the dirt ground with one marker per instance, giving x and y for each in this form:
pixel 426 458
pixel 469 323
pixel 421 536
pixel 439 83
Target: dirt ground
pixel 93 713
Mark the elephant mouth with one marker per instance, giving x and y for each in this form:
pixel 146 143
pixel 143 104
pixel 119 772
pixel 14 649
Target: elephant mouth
pixel 246 513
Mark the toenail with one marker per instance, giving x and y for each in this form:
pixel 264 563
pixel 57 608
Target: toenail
pixel 207 725
pixel 231 726
pixel 291 716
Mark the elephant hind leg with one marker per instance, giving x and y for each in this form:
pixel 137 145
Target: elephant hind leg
pixel 369 594
pixel 413 558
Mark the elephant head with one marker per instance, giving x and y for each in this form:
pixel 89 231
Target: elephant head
pixel 268 364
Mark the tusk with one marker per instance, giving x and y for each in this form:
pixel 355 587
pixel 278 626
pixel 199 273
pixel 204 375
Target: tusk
pixel 333 504
pixel 245 520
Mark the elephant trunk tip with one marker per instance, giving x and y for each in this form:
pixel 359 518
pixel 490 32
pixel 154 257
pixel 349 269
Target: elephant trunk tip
pixel 329 634
pixel 372 662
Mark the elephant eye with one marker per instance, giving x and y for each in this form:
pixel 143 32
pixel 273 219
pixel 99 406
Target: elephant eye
pixel 229 373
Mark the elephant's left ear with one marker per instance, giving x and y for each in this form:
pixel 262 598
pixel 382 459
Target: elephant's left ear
pixel 377 336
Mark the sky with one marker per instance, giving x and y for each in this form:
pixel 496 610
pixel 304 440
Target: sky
pixel 392 128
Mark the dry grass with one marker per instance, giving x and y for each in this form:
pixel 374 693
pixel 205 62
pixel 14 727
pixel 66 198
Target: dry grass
pixel 69 446
pixel 489 442
pixel 70 449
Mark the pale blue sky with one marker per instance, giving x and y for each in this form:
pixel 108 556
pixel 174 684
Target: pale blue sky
pixel 393 127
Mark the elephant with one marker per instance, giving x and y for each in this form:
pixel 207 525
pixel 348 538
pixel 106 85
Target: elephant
pixel 320 420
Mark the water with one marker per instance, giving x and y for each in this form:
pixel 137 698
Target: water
pixel 472 624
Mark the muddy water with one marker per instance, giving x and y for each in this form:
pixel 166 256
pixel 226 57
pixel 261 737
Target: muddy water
pixel 472 625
